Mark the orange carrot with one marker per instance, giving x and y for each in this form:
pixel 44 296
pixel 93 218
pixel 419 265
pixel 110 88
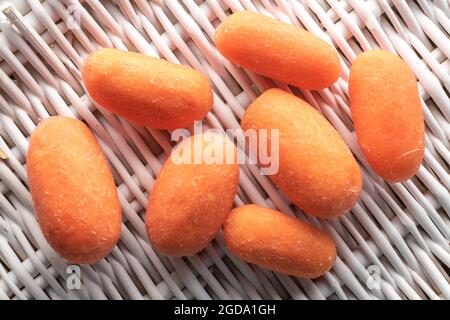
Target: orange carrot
pixel 387 114
pixel 278 242
pixel 189 201
pixel 151 92
pixel 317 171
pixel 73 190
pixel 277 50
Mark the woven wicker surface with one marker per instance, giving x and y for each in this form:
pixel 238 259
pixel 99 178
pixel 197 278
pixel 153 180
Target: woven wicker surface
pixel 394 244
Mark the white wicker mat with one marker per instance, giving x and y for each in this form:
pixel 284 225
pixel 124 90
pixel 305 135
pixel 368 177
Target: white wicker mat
pixel 394 244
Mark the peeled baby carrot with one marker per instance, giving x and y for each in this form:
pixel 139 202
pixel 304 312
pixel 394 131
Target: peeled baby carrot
pixel 386 111
pixel 317 171
pixel 278 242
pixel 148 91
pixel 277 50
pixel 191 199
pixel 73 190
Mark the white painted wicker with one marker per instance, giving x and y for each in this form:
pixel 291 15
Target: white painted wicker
pixel 394 244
